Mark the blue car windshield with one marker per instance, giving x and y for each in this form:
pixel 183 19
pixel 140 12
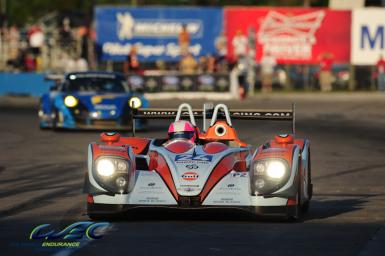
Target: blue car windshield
pixel 97 84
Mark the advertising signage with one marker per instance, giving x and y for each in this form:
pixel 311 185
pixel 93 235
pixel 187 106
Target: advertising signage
pixel 292 35
pixel 154 31
pixel 367 36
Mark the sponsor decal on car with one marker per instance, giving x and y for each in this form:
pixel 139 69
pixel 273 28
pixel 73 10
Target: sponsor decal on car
pixel 112 148
pixel 105 107
pixel 190 176
pixel 239 174
pixel 198 158
pixel 192 166
pixel 99 98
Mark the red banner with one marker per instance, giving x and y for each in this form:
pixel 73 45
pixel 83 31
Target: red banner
pixel 291 35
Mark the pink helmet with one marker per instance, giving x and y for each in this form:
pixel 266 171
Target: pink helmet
pixel 182 129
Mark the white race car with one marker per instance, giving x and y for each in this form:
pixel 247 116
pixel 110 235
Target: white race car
pixel 217 170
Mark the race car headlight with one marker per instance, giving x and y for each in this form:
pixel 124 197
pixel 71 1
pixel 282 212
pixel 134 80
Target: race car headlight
pixel 112 173
pixel 105 167
pixel 269 175
pixel 135 102
pixel 275 169
pixel 70 101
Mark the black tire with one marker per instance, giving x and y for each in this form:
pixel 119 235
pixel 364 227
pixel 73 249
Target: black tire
pixel 40 126
pixel 306 205
pixel 54 121
pixel 297 214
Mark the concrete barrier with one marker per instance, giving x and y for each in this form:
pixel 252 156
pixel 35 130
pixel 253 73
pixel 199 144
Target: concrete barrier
pixel 32 84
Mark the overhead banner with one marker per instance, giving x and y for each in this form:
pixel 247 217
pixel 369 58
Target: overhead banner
pixel 367 36
pixel 154 31
pixel 292 35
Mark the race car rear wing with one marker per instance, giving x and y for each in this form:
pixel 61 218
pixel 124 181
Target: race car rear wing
pixel 241 114
pixel 219 112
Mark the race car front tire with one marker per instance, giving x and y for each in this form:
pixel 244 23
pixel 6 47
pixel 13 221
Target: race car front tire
pixel 296 214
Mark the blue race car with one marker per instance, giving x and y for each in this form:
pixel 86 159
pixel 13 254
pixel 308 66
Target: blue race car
pixel 90 100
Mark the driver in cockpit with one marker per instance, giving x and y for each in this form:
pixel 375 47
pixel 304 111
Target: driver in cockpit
pixel 182 130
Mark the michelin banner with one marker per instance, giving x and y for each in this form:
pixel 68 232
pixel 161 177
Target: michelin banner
pixel 367 36
pixel 155 31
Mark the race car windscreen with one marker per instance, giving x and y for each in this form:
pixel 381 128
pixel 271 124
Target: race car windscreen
pixel 181 135
pixel 99 84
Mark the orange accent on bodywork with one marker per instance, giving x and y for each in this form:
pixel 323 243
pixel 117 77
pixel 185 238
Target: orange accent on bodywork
pixel 300 143
pixel 109 139
pixel 289 139
pixel 164 171
pixel 222 169
pixel 109 150
pixel 90 199
pixel 153 163
pixel 240 166
pixel 291 202
pixel 137 144
pixel 230 135
pixel 214 147
pixel 284 151
pixel 178 146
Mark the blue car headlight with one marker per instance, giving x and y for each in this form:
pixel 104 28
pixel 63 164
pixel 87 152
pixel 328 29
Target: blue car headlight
pixel 70 101
pixel 135 102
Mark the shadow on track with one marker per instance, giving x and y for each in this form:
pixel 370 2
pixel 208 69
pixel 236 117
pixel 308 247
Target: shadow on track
pixel 322 209
pixel 318 210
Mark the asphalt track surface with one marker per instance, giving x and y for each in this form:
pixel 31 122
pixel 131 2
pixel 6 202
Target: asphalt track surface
pixel 41 177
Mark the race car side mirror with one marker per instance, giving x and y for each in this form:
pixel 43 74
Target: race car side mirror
pixel 110 137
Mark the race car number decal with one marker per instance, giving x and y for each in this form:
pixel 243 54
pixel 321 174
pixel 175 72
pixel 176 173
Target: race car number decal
pixel 190 176
pixel 203 158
